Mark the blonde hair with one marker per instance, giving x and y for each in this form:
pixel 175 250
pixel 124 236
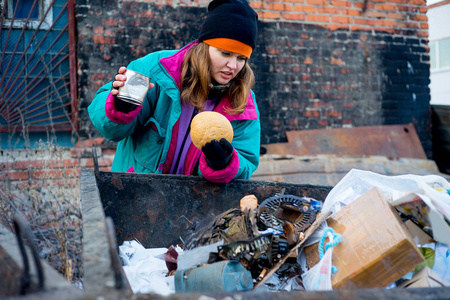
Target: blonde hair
pixel 195 80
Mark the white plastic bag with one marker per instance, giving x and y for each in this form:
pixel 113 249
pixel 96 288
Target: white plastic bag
pixel 431 189
pixel 318 278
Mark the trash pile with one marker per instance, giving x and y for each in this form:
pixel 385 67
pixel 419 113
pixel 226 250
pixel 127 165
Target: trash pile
pixel 372 231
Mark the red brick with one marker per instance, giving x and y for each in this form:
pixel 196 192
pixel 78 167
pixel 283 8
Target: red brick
pixel 375 14
pixel 341 3
pixel 336 61
pixel 337 26
pixel 386 7
pixel 407 8
pixel 90 142
pixel 72 172
pixel 318 2
pixel 384 29
pixel 419 18
pixel 318 18
pixel 307 61
pixel 361 5
pixel 351 12
pixel 328 10
pixel 146 14
pixel 294 16
pixel 343 20
pixel 98 39
pixel 365 21
pixel 86 162
pixel 305 8
pixel 65 163
pixel 14 175
pixel 46 174
pixel 422 33
pixel 27 164
pixel 397 16
pixel 269 15
pixel 400 1
pixel 311 113
pixel 408 25
pixel 110 22
pixel 98 30
pixel 258 5
pixel 5 166
pixel 418 2
pixel 424 26
pixel 323 122
pixel 387 23
pixel 280 6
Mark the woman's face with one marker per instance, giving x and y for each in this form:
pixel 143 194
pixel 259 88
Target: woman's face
pixel 225 65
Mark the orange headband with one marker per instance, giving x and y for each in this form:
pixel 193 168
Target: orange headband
pixel 230 45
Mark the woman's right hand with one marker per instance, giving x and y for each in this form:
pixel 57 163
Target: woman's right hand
pixel 119 80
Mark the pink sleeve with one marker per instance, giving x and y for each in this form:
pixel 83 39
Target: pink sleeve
pixel 118 116
pixel 220 176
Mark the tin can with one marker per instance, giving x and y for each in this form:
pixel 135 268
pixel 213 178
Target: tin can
pixel 135 87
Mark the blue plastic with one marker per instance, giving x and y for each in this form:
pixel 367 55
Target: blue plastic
pixel 223 276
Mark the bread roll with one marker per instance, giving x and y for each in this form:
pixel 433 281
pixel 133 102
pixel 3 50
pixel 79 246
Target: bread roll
pixel 209 125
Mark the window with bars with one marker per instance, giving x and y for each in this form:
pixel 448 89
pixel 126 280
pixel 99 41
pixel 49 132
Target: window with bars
pixel 37 67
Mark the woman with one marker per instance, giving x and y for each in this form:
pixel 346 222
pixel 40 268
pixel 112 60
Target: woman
pixel 211 73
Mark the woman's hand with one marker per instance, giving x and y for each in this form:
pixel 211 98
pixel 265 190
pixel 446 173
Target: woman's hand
pixel 119 80
pixel 218 154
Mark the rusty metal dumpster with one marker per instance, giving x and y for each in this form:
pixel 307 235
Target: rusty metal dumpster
pixel 157 209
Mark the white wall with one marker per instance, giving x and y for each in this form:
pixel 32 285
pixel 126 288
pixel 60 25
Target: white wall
pixel 439 28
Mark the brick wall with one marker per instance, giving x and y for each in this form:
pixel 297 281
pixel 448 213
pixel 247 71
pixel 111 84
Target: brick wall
pixel 319 63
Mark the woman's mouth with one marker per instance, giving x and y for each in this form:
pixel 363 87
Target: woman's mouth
pixel 226 75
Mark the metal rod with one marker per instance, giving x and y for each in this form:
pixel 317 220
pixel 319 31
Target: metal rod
pixel 18 41
pixel 32 38
pixel 7 37
pixel 27 91
pixel 44 112
pixel 37 47
pixel 73 64
pixel 22 228
pixel 14 114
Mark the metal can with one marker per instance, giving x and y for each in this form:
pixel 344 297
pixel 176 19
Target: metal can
pixel 135 87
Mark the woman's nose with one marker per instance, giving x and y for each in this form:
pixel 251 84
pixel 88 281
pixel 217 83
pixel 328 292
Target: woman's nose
pixel 232 63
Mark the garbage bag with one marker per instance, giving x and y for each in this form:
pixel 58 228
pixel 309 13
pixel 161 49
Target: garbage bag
pixel 431 189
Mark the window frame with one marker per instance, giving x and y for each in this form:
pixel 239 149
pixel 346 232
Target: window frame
pixel 44 6
pixel 438 67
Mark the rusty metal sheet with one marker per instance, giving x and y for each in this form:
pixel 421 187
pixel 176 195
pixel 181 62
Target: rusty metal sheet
pixel 158 209
pixel 393 141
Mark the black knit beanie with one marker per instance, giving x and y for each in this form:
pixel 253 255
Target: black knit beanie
pixel 230 19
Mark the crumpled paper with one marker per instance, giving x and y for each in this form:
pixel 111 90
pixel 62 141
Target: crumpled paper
pixel 145 272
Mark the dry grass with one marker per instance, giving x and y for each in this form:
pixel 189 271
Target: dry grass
pixel 52 210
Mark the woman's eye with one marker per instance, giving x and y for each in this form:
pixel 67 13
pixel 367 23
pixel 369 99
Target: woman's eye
pixel 226 53
pixel 242 58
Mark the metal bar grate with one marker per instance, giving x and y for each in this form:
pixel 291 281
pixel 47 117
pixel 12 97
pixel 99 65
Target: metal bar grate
pixel 38 68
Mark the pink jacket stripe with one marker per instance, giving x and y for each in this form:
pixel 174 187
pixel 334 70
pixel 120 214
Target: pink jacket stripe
pixel 221 176
pixel 118 116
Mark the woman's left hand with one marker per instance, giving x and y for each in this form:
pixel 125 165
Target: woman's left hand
pixel 218 154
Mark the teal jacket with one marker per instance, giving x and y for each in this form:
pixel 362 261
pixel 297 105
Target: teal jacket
pixel 147 136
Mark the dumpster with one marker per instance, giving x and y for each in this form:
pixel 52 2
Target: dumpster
pixel 157 211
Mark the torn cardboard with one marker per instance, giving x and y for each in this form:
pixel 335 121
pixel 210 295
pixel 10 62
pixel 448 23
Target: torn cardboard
pixel 425 278
pixel 376 247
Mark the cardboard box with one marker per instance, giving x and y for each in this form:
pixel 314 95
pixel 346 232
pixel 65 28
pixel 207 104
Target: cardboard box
pixel 419 236
pixel 425 278
pixel 376 248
